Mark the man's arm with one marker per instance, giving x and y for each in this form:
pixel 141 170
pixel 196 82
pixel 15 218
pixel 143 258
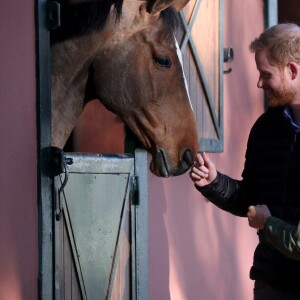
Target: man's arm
pixel 220 189
pixel 283 236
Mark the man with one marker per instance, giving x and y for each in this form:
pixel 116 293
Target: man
pixel 269 193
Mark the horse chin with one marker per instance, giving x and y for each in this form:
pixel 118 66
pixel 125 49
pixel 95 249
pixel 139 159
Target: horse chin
pixel 158 164
pixel 162 168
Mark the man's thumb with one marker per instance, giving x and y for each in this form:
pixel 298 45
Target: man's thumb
pixel 207 161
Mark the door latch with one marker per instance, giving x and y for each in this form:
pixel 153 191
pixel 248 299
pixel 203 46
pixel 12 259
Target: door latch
pixel 228 57
pixel 57 166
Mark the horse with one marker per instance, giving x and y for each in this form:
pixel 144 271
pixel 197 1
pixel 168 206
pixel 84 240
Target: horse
pixel 124 53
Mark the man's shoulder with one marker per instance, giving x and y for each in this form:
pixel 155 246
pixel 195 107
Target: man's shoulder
pixel 271 115
pixel 268 121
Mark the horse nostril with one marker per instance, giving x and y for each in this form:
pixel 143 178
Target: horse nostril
pixel 188 157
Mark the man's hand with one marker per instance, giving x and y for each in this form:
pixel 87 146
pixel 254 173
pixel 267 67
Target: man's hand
pixel 257 216
pixel 203 171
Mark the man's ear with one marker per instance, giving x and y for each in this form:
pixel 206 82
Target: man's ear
pixel 293 69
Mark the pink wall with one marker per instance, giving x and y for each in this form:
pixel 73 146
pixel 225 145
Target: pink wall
pixel 197 251
pixel 18 159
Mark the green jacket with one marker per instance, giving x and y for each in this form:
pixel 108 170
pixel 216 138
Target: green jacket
pixel 283 236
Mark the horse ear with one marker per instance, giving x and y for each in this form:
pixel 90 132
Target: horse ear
pixel 155 7
pixel 180 4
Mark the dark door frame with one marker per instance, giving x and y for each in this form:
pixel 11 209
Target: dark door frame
pixel 45 230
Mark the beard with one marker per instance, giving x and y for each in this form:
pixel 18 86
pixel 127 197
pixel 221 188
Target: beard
pixel 284 95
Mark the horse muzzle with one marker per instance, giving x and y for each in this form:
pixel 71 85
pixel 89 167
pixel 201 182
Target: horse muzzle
pixel 162 166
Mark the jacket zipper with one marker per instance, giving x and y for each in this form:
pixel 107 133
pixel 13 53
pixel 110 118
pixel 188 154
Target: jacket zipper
pixel 294 142
pixel 288 170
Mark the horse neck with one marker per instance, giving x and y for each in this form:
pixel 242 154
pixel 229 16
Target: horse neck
pixel 71 57
pixel 71 60
pixel 70 64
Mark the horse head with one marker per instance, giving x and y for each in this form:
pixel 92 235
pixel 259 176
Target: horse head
pixel 133 66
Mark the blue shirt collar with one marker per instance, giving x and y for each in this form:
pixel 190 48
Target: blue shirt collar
pixel 288 114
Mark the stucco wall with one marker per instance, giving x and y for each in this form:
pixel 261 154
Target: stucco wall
pixel 196 251
pixel 18 159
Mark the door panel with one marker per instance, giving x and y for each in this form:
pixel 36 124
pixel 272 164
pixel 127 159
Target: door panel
pixel 95 253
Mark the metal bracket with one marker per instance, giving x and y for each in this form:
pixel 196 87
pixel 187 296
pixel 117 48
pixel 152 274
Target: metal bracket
pixel 53 15
pixel 57 165
pixel 134 190
pixel 55 161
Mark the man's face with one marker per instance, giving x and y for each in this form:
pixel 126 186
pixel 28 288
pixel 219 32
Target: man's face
pixel 274 81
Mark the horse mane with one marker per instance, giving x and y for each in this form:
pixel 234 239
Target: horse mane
pixel 83 17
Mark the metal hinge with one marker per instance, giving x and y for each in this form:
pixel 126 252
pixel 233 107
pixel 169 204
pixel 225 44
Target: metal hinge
pixel 53 15
pixel 58 165
pixel 228 57
pixel 134 190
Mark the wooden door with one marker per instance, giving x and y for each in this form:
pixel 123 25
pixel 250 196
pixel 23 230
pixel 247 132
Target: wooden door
pixel 201 43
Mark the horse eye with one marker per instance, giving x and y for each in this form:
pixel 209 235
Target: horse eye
pixel 163 61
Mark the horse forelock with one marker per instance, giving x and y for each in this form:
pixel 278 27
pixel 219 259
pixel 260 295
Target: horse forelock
pixel 171 21
pixel 83 17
